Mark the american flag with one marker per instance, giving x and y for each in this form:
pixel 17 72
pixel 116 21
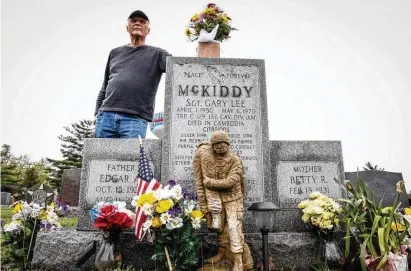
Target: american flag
pixel 145 183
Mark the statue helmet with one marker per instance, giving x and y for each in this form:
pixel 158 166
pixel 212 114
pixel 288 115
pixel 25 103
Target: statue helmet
pixel 219 136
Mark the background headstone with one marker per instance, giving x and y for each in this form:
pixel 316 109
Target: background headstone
pixel 5 198
pixel 70 186
pixel 40 194
pixel 205 95
pixel 382 183
pixel 109 171
pixel 299 168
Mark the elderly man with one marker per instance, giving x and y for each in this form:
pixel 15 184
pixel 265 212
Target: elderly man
pixel 219 178
pixel 125 102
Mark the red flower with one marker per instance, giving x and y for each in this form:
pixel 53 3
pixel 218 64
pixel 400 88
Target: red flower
pixel 121 220
pixel 102 223
pixel 211 5
pixel 107 210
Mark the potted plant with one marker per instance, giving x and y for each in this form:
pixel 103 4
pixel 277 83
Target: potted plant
pixel 378 233
pixel 211 26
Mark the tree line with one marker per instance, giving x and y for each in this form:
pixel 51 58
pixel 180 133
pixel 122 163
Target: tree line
pixel 19 172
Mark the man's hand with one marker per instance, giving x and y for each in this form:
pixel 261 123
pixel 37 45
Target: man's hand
pixel 94 121
pixel 206 181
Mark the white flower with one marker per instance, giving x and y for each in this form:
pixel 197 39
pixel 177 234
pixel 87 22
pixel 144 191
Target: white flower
pixel 189 207
pixel 147 224
pixel 147 209
pixel 164 218
pixel 196 222
pixel 177 192
pixel 17 216
pixel 174 223
pixel 134 201
pixel 13 225
pixel 121 205
pixel 162 193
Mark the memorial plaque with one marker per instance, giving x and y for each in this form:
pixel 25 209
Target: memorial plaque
pixel 209 95
pixel 112 181
pixel 298 179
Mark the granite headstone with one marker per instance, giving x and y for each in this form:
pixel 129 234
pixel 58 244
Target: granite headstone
pixel 109 171
pixel 70 186
pixel 5 198
pixel 382 183
pixel 299 168
pixel 204 95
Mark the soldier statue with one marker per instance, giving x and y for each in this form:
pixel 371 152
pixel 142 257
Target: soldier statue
pixel 219 177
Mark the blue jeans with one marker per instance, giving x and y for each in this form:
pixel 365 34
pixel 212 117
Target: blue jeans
pixel 119 125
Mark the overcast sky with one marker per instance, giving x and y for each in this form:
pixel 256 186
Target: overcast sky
pixel 336 70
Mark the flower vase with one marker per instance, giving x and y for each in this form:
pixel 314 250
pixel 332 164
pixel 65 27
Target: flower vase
pixel 328 248
pixel 109 255
pixel 209 49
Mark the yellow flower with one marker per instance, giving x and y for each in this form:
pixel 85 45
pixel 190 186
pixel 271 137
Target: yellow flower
pixel 386 210
pixel 43 215
pixel 188 32
pixel 209 11
pixel 146 198
pixel 327 215
pixel 336 221
pixel 196 213
pixel 194 18
pixel 315 195
pixel 303 204
pixel 397 226
pixel 18 207
pixel 164 205
pixel 156 223
pixel 306 218
pixel 407 211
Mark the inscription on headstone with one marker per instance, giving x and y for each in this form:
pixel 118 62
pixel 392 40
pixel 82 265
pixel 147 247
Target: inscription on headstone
pixel 297 179
pixel 208 97
pixel 111 181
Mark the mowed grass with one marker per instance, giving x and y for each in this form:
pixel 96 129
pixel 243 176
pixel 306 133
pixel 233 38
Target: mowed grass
pixel 6 214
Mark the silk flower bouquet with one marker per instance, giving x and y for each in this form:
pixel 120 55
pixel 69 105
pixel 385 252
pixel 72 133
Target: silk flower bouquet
pixel 111 218
pixel 172 216
pixel 212 24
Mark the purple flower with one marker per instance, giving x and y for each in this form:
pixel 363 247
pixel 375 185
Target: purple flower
pixel 189 195
pixel 175 211
pixel 2 222
pixel 171 183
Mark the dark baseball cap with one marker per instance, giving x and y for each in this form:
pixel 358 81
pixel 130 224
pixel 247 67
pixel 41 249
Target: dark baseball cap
pixel 138 13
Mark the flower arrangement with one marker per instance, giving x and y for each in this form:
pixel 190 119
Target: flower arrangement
pixel 320 211
pixel 111 216
pixel 378 233
pixel 172 215
pixel 209 18
pixel 28 218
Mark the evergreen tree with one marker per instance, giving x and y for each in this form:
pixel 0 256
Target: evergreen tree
pixel 370 166
pixel 9 172
pixel 72 149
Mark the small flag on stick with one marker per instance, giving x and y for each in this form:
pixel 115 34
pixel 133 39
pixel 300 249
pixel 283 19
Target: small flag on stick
pixel 145 184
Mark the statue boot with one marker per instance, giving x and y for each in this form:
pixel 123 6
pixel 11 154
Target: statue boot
pixel 238 262
pixel 217 258
pixel 248 262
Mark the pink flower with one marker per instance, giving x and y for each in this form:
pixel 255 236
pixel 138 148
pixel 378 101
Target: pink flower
pixel 211 5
